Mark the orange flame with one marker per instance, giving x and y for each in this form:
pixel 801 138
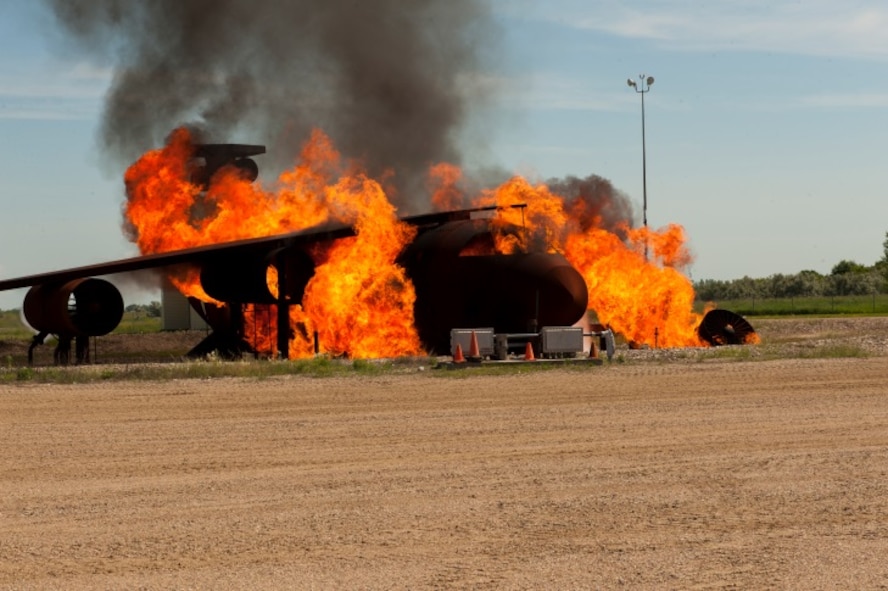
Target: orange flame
pixel 543 217
pixel 359 302
pixel 359 295
pixel 648 301
pixel 443 183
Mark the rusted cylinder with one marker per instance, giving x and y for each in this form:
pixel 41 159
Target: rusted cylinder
pixel 723 327
pixel 82 307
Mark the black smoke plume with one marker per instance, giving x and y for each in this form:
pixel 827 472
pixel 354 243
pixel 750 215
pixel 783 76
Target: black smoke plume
pixel 386 79
pixel 595 202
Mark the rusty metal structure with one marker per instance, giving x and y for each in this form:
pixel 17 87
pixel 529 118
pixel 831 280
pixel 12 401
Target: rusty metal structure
pixel 72 310
pixel 209 158
pixel 723 327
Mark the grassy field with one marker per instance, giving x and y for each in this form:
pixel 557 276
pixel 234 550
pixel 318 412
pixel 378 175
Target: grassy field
pixel 866 305
pixel 11 326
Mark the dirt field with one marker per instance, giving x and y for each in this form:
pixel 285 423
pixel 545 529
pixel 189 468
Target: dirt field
pixel 646 474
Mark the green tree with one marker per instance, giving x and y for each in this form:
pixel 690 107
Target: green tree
pixel 153 310
pixel 882 264
pixel 845 284
pixel 885 250
pixel 843 267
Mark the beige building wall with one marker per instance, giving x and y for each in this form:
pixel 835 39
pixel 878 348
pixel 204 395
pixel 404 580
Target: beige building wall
pixel 177 313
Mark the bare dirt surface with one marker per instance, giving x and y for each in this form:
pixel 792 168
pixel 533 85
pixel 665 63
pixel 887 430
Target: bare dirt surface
pixel 647 474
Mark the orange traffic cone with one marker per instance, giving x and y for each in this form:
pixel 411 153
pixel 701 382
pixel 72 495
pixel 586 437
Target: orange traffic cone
pixel 528 352
pixel 474 350
pixel 458 355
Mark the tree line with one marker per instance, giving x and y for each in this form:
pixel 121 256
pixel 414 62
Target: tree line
pixel 152 310
pixel 846 278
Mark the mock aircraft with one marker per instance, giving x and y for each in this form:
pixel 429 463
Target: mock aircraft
pixel 455 287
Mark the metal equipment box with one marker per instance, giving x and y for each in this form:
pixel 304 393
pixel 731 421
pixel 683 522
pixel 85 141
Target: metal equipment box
pixel 561 340
pixel 463 338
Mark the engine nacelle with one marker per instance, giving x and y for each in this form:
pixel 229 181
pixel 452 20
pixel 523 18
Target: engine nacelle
pixel 82 307
pixel 723 327
pixel 244 278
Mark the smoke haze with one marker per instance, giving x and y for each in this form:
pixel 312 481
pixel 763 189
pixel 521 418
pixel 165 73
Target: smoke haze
pixel 385 79
pixel 595 202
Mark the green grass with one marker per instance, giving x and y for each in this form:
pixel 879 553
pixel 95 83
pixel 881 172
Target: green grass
pixel 866 305
pixel 320 367
pixel 137 323
pixel 11 326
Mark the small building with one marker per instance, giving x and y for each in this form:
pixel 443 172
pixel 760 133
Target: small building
pixel 176 312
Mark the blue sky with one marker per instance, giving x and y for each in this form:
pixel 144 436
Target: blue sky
pixel 765 128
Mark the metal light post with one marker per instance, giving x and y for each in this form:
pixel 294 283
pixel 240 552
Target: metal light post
pixel 643 87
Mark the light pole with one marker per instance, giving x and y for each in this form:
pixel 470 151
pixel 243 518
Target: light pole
pixel 643 87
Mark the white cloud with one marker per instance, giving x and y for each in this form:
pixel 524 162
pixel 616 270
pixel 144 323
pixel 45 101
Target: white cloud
pixel 75 81
pixel 851 101
pixel 62 91
pixel 559 93
pixel 853 28
pixel 54 113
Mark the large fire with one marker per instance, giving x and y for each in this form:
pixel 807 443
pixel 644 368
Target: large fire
pixel 634 282
pixel 360 302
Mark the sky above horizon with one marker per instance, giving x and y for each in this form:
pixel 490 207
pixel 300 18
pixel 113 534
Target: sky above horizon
pixel 764 128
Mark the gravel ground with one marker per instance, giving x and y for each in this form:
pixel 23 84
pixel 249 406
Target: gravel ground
pixel 685 472
pixel 787 338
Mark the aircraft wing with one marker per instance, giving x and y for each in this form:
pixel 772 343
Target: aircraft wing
pixel 200 253
pixel 175 257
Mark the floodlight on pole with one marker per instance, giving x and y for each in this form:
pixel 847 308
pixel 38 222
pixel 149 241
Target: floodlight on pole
pixel 642 87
